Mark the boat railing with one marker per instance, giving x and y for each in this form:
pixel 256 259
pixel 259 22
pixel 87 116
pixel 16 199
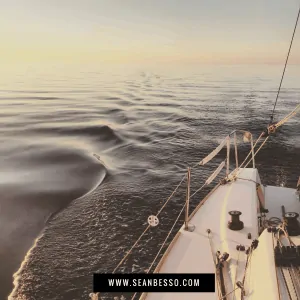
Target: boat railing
pixel 153 220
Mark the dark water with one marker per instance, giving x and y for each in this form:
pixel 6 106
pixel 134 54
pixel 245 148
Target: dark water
pixel 147 125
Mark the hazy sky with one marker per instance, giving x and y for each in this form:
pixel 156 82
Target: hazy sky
pixel 210 31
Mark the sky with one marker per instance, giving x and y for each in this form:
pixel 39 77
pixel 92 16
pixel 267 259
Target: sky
pixel 160 31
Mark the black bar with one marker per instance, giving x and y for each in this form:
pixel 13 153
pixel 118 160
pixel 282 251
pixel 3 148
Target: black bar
pixel 154 283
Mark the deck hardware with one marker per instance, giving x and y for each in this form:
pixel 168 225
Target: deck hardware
pixel 287 255
pixel 240 247
pixel 249 236
pixel 292 224
pixel 254 244
pixel 191 227
pixel 272 229
pixel 221 258
pixel 235 223
pixel 272 129
pixel 153 221
pixel 224 257
pixel 223 181
pixel 94 296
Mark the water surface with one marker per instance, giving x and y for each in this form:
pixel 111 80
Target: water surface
pixel 147 124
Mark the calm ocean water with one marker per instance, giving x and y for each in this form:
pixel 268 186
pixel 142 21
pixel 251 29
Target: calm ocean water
pixel 65 215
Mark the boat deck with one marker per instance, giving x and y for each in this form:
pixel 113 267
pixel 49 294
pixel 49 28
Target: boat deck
pixel 194 252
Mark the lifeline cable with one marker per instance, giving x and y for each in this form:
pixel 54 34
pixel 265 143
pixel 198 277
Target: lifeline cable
pixel 287 58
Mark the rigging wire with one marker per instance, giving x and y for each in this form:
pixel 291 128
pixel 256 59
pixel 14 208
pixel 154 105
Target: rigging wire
pixel 286 61
pixel 278 124
pixel 129 252
pixel 164 242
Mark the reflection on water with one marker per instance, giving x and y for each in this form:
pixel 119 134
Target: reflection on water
pixel 147 125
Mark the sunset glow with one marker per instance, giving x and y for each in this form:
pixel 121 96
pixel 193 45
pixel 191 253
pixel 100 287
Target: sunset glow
pixel 143 31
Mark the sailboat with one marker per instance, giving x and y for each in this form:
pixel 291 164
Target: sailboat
pixel 246 233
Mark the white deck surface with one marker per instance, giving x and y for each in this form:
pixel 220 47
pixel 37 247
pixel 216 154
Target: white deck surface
pixel 192 253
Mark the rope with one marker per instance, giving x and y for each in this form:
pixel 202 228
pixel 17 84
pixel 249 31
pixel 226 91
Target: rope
pixel 123 259
pixel 251 149
pixel 287 58
pixel 280 123
pixel 129 252
pixel 179 184
pixel 278 238
pixel 224 297
pixel 198 190
pixel 282 228
pixel 239 171
pixel 290 115
pixel 257 150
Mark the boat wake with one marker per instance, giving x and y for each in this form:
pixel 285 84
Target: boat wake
pixel 16 276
